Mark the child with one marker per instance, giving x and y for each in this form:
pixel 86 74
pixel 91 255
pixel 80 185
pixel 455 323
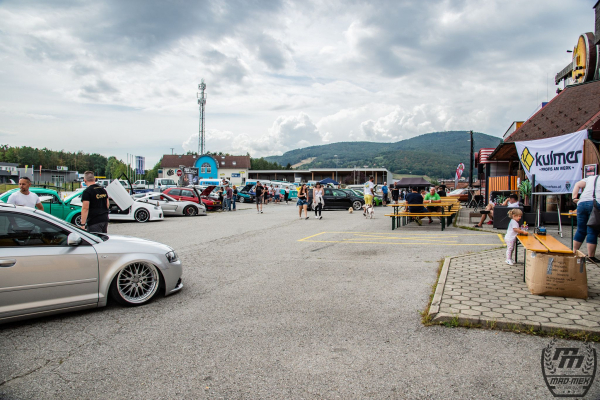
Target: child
pixel 511 233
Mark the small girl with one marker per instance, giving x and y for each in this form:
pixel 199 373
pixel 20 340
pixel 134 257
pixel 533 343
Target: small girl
pixel 511 233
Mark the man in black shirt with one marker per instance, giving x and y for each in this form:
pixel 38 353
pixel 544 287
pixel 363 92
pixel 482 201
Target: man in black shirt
pixel 395 193
pixel 259 196
pixel 94 210
pixel 415 198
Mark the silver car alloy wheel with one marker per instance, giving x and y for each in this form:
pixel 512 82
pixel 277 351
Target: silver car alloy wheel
pixel 357 205
pixel 137 282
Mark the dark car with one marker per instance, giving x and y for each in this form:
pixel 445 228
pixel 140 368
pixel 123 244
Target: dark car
pixel 338 199
pixel 246 194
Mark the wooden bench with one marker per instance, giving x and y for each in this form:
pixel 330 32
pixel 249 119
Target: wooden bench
pixel 552 244
pixel 449 209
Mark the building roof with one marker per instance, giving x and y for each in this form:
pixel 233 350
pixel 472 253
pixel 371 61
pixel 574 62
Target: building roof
pixel 189 160
pixel 574 109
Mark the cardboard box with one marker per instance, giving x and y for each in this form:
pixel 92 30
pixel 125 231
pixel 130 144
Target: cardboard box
pixel 553 274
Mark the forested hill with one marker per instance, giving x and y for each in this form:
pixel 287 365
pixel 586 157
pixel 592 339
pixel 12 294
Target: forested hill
pixel 434 154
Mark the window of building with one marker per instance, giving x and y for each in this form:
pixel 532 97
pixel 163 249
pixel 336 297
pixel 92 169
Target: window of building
pixel 205 168
pixel 233 163
pixel 222 162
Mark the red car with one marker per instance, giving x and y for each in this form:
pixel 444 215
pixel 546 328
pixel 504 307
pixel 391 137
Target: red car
pixel 192 194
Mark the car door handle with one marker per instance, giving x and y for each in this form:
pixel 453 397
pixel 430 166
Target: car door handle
pixel 7 262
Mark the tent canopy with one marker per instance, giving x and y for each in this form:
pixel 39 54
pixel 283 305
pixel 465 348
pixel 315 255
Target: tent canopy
pixel 412 182
pixel 328 180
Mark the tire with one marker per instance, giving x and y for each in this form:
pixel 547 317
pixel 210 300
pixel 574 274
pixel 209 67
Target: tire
pixel 142 215
pixel 190 211
pixel 136 284
pixel 356 205
pixel 241 199
pixel 76 220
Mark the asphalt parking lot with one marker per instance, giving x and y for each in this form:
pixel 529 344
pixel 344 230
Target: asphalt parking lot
pixel 277 307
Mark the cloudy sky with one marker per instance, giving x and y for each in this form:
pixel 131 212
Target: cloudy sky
pixel 121 76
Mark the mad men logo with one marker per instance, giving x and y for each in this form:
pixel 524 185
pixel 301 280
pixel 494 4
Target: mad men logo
pixel 569 371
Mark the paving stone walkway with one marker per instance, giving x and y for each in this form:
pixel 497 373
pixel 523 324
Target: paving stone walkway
pixel 482 289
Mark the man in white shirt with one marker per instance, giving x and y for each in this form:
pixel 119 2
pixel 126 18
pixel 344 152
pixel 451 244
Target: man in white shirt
pixel 24 197
pixel 369 191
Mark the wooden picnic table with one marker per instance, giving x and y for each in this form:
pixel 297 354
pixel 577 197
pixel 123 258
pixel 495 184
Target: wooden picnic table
pixel 539 244
pixel 396 218
pixel 552 244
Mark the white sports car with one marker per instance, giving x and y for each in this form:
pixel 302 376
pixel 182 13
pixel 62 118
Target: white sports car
pixel 170 206
pixel 123 208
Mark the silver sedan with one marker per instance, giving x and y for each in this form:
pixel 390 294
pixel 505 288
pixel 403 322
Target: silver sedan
pixel 170 206
pixel 48 266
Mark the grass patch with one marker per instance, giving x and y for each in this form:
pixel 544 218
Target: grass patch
pixel 426 318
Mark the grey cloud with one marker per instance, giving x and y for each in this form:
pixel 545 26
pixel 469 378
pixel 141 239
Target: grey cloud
pixel 82 70
pixel 100 87
pixel 39 50
pixel 271 52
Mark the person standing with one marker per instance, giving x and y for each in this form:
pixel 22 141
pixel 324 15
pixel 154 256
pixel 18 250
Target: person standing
pixel 395 193
pixel 585 202
pixel 94 205
pixel 303 201
pixel 441 191
pixel 368 190
pixel 318 200
pixel 259 197
pixel 384 192
pixel 235 193
pixel 287 194
pixel 228 197
pixel 24 197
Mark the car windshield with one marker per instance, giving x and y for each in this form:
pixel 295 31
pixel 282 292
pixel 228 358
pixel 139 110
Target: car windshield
pixel 167 182
pixel 87 235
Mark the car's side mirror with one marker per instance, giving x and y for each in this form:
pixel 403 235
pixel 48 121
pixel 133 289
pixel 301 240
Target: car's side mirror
pixel 73 239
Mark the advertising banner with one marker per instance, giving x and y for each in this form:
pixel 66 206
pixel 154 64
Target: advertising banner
pixel 190 176
pixel 140 164
pixel 556 162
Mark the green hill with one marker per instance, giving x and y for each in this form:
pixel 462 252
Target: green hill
pixel 435 154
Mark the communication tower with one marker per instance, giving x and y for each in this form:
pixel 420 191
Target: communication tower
pixel 201 103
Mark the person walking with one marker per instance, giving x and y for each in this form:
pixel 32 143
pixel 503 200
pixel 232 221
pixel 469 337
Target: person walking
pixel 94 205
pixel 235 193
pixel 228 198
pixel 221 197
pixel 303 201
pixel 384 192
pixel 585 202
pixel 368 191
pixel 286 196
pixel 259 190
pixel 318 200
pixel 395 193
pixel 24 197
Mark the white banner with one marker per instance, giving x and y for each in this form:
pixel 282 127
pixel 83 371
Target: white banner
pixel 556 162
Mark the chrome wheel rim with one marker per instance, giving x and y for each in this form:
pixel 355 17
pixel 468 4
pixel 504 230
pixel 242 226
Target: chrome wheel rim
pixel 142 215
pixel 190 211
pixel 77 220
pixel 356 205
pixel 137 282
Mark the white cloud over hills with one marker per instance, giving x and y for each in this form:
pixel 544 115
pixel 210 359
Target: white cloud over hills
pixel 120 77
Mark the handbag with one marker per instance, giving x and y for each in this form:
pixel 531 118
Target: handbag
pixel 594 219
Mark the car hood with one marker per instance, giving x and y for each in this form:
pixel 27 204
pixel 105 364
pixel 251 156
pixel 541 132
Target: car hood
pixel 208 190
pixel 131 244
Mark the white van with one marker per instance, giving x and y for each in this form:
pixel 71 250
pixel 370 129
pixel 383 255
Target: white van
pixel 141 184
pixel 164 183
pixel 211 182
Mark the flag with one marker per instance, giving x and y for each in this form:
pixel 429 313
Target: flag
pixel 26 166
pixel 459 171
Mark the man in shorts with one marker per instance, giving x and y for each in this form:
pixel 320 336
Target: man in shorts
pixel 384 192
pixel 368 190
pixel 395 193
pixel 259 197
pixel 24 197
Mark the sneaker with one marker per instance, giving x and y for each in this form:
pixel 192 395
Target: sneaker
pixel 594 260
pixel 316 217
pixel 418 221
pixel 320 217
pixel 306 218
pixel 431 221
pixel 261 211
pixel 510 262
pixel 490 222
pixel 476 226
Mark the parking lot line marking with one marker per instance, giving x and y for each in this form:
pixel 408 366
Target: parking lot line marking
pixel 502 239
pixel 411 243
pixel 434 240
pixel 308 237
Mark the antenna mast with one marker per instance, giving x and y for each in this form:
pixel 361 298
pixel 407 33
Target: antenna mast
pixel 201 104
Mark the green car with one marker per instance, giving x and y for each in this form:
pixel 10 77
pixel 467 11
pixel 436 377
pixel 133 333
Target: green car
pixel 377 201
pixel 53 204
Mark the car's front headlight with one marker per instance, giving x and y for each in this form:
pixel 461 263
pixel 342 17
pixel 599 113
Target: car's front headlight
pixel 172 256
